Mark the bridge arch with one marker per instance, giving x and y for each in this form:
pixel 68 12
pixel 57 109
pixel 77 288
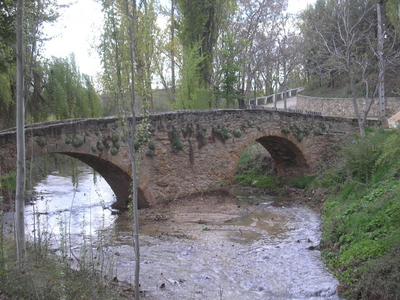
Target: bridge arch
pixel 286 153
pixel 117 178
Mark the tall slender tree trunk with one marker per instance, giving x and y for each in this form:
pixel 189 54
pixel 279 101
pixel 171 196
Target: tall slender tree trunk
pixel 131 133
pixel 381 78
pixel 173 48
pixel 361 122
pixel 20 185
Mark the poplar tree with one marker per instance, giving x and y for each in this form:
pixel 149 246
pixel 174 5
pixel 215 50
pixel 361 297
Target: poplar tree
pixel 20 184
pixel 200 25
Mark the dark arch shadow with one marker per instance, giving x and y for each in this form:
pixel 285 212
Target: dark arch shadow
pixel 289 160
pixel 119 181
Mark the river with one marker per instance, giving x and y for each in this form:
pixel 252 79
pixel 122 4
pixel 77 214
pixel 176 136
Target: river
pixel 190 251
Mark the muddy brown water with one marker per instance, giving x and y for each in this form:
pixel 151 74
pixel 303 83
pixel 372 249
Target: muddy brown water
pixel 188 253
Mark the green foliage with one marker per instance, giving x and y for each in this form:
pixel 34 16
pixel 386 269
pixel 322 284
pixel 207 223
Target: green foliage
pixel 8 181
pixel 255 168
pixel 300 182
pixel 318 131
pixel 189 94
pixel 77 140
pixel 175 140
pixel 94 148
pixel 151 146
pixel 68 140
pixel 237 133
pixel 187 131
pixel 41 141
pixel 362 215
pixel 113 151
pixel 285 130
pixel 222 133
pixel 68 93
pixel 141 138
pixel 7 103
pixel 115 137
pixel 253 178
pixel 230 54
pixel 198 29
pixel 100 145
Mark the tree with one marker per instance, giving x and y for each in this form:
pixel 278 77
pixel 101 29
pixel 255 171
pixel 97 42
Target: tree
pixel 189 91
pixel 66 92
pixel 200 24
pixel 288 57
pixel 349 32
pixel 20 184
pixel 130 134
pixel 230 68
pixel 256 21
pixel 114 52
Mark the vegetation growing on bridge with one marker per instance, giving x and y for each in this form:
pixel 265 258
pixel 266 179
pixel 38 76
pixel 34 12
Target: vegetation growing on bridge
pixel 302 131
pixel 41 141
pixel 221 132
pixel 176 142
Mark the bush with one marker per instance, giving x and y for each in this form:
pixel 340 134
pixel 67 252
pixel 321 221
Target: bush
pixel 41 141
pixel 361 232
pixel 77 141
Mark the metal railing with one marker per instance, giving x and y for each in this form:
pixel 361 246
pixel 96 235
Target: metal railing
pixel 264 100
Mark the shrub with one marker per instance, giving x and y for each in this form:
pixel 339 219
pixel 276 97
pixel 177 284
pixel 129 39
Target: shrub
pixel 77 141
pixel 176 142
pixel 151 146
pixel 41 141
pixel 113 151
pixel 222 133
pixel 237 133
pixel 100 145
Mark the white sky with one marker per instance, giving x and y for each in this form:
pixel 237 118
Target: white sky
pixel 80 25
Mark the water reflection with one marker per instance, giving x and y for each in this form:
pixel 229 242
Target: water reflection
pixel 82 204
pixel 194 254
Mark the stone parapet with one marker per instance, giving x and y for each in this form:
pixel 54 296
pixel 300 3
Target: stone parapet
pixel 344 106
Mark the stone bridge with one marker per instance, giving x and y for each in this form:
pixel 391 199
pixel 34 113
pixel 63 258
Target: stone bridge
pixel 188 151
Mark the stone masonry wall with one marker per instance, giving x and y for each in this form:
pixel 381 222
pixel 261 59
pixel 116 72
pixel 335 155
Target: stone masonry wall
pixel 344 106
pixel 188 151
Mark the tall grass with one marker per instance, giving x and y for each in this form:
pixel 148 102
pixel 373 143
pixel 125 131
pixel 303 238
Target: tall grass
pixel 361 234
pixel 55 267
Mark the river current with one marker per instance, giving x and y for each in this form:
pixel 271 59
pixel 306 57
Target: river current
pixel 266 253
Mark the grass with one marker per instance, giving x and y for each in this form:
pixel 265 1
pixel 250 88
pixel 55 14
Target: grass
pixel 361 233
pixel 48 276
pixel 300 182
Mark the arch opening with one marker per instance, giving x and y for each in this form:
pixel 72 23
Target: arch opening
pixel 119 180
pixel 289 160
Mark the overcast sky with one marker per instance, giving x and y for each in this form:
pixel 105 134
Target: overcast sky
pixel 79 27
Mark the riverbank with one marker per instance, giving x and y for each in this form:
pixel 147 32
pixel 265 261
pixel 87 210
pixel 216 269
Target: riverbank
pixel 361 216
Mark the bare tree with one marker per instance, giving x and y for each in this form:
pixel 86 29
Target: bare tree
pixel 345 34
pixel 381 76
